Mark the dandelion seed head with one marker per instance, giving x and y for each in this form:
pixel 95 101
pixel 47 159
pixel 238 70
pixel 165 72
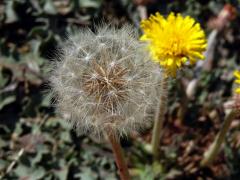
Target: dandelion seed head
pixel 100 87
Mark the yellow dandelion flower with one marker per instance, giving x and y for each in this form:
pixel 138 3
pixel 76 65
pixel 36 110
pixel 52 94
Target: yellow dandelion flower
pixel 174 40
pixel 237 81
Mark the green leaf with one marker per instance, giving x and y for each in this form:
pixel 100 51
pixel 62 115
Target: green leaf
pixel 46 101
pixel 11 15
pixel 29 173
pixel 86 174
pixel 35 46
pixel 49 7
pixel 65 136
pixel 89 3
pixel 3 143
pixel 63 171
pixel 147 173
pixel 6 101
pixel 3 164
pixel 3 80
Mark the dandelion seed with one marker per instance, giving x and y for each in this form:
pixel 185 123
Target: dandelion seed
pixel 102 44
pixel 66 116
pixel 123 49
pixel 87 58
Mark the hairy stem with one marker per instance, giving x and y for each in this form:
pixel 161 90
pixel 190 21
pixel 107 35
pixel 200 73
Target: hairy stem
pixel 159 116
pixel 119 157
pixel 215 147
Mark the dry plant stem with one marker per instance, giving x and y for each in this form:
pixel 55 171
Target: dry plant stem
pixel 215 147
pixel 13 163
pixel 119 157
pixel 159 117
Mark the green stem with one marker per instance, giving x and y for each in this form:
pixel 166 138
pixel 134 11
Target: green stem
pixel 119 157
pixel 159 116
pixel 215 147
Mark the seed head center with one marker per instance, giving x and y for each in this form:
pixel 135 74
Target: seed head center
pixel 107 84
